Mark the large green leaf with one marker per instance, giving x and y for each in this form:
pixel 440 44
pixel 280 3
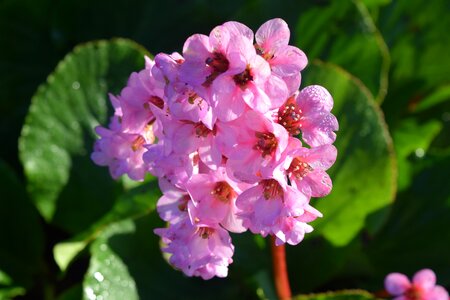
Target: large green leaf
pixel 58 133
pixel 411 142
pixel 344 33
pixel 127 263
pixel 416 235
pixel 21 234
pixel 364 175
pixel 134 203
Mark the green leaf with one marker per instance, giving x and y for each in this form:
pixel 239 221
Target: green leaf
pixel 340 295
pixel 364 175
pixel 440 95
pixel 345 34
pixel 134 203
pixel 412 138
pixel 57 137
pixel 418 226
pixel 21 233
pixel 126 263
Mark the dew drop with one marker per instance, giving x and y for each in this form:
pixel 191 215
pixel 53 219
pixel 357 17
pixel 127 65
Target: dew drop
pixel 90 293
pixel 75 85
pixel 98 276
pixel 420 152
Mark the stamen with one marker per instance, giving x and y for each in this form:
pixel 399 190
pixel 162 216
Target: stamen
pixel 299 169
pixel 243 78
pixel 290 116
pixel 223 192
pixel 205 232
pixel 138 143
pixel 267 143
pixel 271 189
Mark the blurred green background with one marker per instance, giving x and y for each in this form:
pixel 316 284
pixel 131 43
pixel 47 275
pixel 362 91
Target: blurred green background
pixel 68 231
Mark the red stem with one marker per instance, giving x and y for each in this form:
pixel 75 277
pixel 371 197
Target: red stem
pixel 280 270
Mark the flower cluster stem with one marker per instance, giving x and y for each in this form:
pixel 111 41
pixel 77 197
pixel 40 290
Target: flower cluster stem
pixel 280 271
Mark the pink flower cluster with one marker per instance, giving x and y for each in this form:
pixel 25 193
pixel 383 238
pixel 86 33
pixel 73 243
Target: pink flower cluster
pixel 234 142
pixel 422 287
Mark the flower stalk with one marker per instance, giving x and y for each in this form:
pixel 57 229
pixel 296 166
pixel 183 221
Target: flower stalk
pixel 280 271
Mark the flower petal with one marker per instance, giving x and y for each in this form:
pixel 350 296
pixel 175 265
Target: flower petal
pixel 396 284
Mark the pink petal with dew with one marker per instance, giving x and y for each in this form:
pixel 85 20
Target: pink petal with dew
pixel 319 182
pixel 396 284
pixel 288 61
pixel 322 157
pixel 237 29
pixel 315 98
pixel 273 34
pixel 318 129
pixel 219 39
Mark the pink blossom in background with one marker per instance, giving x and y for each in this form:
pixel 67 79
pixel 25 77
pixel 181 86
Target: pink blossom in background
pixel 234 143
pixel 422 287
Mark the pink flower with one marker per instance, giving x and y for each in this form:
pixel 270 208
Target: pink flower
pixel 198 251
pixel 183 101
pixel 222 126
pixel 422 287
pixel 261 144
pixel 172 206
pixel 292 229
pixel 141 93
pixel 286 62
pixel 214 200
pixel 309 114
pixel 265 207
pixel 122 151
pixel 306 168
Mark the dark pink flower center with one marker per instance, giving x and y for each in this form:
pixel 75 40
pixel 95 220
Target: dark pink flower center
pixel 219 64
pixel 260 51
pixel 413 293
pixel 223 192
pixel 202 131
pixel 243 78
pixel 299 169
pixel 156 101
pixel 290 116
pixel 205 232
pixel 271 189
pixel 138 143
pixel 183 203
pixel 192 96
pixel 267 143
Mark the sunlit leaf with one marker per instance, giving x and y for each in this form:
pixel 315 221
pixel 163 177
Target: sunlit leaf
pixel 364 176
pixel 58 133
